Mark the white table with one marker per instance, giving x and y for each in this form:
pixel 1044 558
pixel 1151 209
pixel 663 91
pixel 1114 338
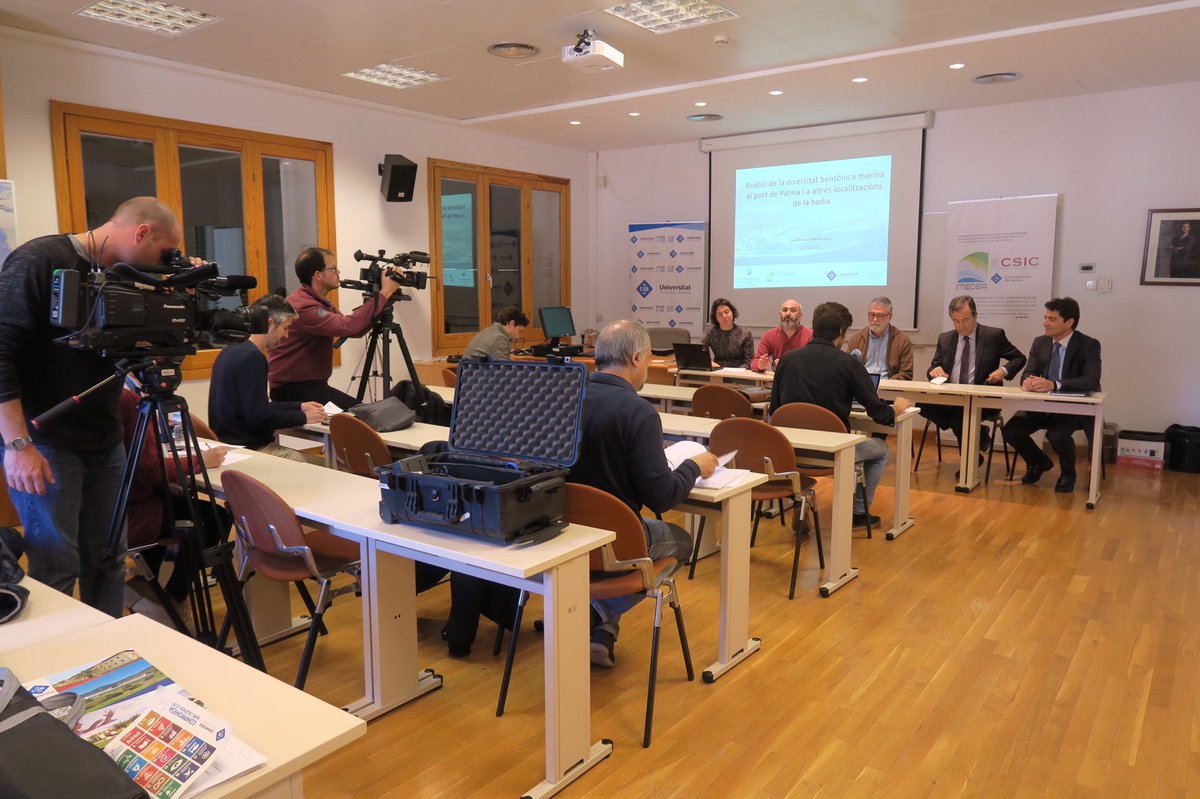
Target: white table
pixel 1013 399
pixel 48 614
pixel 902 429
pixel 839 447
pixel 557 569
pixel 975 399
pixel 289 727
pixel 729 510
pixel 699 377
pixel 954 394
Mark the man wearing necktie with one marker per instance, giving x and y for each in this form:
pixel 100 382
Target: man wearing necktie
pixel 970 353
pixel 1062 360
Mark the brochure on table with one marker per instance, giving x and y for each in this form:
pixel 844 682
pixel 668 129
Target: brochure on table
pixel 165 740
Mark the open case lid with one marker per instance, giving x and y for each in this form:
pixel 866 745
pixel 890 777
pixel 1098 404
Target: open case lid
pixel 519 409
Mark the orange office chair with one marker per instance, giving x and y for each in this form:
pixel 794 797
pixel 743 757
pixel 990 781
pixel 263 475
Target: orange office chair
pixel 449 378
pixel 716 401
pixel 202 429
pixel 275 545
pixel 358 448
pixel 806 416
pixel 763 449
pixel 627 558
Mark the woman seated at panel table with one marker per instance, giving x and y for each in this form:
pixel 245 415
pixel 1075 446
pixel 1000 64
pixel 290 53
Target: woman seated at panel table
pixel 730 345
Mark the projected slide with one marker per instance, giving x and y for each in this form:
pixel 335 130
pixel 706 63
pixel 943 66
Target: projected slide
pixel 816 224
pixel 458 241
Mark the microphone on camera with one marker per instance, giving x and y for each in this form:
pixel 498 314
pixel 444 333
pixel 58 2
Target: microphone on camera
pixel 234 282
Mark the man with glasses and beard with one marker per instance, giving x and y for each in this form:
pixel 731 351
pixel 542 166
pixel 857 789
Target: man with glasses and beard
pixel 790 335
pixel 300 367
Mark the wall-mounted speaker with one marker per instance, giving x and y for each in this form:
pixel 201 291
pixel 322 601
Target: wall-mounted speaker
pixel 399 176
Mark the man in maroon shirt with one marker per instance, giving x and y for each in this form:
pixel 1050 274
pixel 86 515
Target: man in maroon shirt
pixel 301 365
pixel 790 335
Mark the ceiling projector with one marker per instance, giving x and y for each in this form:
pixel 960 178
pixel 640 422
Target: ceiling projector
pixel 592 55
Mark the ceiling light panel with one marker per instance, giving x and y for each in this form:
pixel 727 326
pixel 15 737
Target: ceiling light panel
pixel 394 76
pixel 664 16
pixel 149 15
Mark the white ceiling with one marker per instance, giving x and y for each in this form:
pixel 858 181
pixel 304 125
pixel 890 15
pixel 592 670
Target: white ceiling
pixel 809 49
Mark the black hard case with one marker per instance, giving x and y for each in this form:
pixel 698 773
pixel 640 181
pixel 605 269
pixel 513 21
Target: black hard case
pixel 514 434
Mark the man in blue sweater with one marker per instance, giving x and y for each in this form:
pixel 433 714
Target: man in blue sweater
pixel 621 452
pixel 238 409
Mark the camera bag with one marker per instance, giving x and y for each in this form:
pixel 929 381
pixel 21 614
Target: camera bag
pixel 514 434
pixel 41 758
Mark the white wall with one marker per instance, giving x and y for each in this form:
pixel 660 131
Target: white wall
pixel 1111 156
pixel 36 69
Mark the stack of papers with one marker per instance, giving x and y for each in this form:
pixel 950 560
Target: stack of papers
pixel 680 451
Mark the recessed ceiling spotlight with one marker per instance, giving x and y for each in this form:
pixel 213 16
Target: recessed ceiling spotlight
pixel 664 16
pixel 957 66
pixel 576 122
pixel 775 92
pixel 149 15
pixel 704 117
pixel 859 80
pixel 700 104
pixel 997 77
pixel 394 76
pixel 513 50
pixel 635 114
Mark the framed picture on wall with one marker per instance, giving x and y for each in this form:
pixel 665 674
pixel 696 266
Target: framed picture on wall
pixel 1172 248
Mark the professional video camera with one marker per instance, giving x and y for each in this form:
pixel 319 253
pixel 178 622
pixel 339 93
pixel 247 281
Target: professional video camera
pixel 371 276
pixel 169 309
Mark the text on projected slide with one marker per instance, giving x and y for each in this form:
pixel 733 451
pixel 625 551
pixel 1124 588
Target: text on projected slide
pixel 816 224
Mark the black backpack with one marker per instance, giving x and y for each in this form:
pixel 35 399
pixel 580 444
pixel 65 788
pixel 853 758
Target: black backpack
pixel 429 407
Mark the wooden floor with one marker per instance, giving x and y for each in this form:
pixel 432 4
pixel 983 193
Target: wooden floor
pixel 1012 644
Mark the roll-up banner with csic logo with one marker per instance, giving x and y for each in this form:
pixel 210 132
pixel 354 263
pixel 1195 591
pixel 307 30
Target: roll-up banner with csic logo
pixel 1001 252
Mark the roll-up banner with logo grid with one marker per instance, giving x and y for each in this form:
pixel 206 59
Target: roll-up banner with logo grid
pixel 666 275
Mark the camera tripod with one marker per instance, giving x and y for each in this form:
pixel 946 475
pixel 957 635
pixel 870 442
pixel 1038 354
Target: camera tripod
pixel 158 378
pixel 380 342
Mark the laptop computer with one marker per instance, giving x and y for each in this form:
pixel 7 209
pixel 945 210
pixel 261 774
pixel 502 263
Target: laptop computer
pixel 692 356
pixel 855 405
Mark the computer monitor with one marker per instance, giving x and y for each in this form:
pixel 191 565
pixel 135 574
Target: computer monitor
pixel 556 323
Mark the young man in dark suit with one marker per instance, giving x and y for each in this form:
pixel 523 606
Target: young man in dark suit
pixel 984 348
pixel 1062 360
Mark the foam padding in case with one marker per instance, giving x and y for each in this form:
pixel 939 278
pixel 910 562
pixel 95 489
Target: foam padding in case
pixel 519 409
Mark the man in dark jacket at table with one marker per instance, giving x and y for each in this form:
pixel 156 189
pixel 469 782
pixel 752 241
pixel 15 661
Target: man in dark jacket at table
pixel 1062 360
pixel 983 348
pixel 621 452
pixel 238 409
pixel 823 375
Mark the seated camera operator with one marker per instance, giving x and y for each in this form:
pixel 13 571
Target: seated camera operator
pixel 64 479
pixel 301 366
pixel 238 409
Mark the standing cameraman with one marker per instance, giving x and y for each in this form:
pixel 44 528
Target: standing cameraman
pixel 64 479
pixel 301 365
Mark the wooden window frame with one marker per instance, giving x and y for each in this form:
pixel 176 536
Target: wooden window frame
pixel 484 177
pixel 70 120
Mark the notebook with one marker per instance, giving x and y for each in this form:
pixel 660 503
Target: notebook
pixel 693 356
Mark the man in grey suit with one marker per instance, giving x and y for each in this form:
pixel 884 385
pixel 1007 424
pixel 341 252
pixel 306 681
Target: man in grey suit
pixel 1062 360
pixel 983 347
